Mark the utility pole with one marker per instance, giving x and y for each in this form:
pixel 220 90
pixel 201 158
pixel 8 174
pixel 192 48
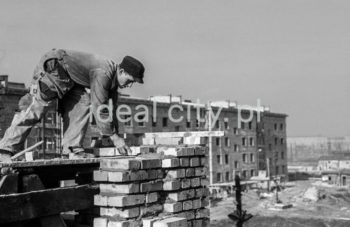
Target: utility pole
pixel 268 174
pixel 210 144
pixel 239 215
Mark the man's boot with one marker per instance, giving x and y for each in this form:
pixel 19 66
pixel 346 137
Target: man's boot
pixel 5 156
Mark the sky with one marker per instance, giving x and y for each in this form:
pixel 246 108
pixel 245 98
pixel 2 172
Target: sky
pixel 293 55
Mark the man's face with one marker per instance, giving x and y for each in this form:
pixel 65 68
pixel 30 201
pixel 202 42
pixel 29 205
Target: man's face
pixel 124 79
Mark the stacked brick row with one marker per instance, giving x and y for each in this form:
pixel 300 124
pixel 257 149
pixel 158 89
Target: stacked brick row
pixel 164 188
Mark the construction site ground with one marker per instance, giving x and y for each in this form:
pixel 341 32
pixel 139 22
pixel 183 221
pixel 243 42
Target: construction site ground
pixel 314 204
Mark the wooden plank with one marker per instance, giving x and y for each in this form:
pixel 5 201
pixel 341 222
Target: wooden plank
pixel 24 206
pixel 184 134
pixel 51 162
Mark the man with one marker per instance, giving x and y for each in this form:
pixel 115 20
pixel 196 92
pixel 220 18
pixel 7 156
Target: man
pixel 81 82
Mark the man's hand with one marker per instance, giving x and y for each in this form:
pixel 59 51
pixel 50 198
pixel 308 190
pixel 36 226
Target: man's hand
pixel 119 143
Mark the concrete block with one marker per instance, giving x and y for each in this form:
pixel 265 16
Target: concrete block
pixel 153 209
pixel 176 173
pixel 148 149
pixel 189 151
pixel 150 163
pixel 123 213
pixel 202 192
pixel 105 152
pixel 182 195
pixel 148 141
pixel 170 163
pixel 195 182
pixel 201 151
pixel 120 164
pixel 205 202
pixel 125 200
pixel 189 215
pixel 185 183
pixel 197 223
pixel 205 182
pixel 152 197
pixel 120 188
pixel 171 185
pixel 194 162
pixel 190 172
pixel 128 223
pixel 172 151
pixel 100 222
pixel 204 161
pixel 202 213
pixel 151 186
pixel 201 171
pixel 135 150
pixel 118 176
pixel 196 203
pixel 138 175
pixel 187 205
pixel 184 162
pixel 171 222
pixel 172 207
pixel 149 222
pixel 155 174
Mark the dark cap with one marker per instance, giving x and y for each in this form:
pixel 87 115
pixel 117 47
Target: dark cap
pixel 133 67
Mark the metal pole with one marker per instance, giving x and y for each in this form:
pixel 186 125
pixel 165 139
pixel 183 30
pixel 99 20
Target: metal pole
pixel 211 180
pixel 43 137
pixel 238 199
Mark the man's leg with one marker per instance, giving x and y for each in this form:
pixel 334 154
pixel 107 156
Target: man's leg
pixel 76 109
pixel 22 123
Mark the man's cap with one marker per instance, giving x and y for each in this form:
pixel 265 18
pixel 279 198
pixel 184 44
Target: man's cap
pixel 133 67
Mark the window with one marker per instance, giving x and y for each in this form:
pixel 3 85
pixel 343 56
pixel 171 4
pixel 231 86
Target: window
pixel 217 141
pixel 251 141
pixel 197 123
pixel 283 169
pixel 188 124
pixel 217 124
pixel 282 155
pixel 250 125
pixel 218 177
pixel 154 122
pixel 235 147
pixel 236 164
pixel 244 174
pixel 276 141
pixel 141 120
pixel 242 125
pixel 50 118
pixel 270 147
pixel 226 159
pixel 235 131
pixel 281 126
pixel 165 122
pixel 244 142
pixel 245 158
pixel 275 126
pixel 227 142
pixel 282 140
pixel 252 173
pixel 226 125
pixel 277 169
pixel 177 128
pixel 252 158
pixel 218 158
pixel 227 176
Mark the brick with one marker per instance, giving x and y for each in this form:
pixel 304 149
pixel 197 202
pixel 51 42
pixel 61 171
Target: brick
pixel 118 176
pixel 201 151
pixel 194 162
pixel 125 200
pixel 199 192
pixel 187 205
pixel 138 175
pixel 205 202
pixel 122 164
pixel 124 213
pixel 119 188
pixel 155 174
pixel 182 195
pixel 100 176
pixel 171 222
pixel 205 182
pixel 148 149
pixel 151 210
pixel 203 213
pixel 172 207
pixel 184 162
pixel 152 197
pixel 149 222
pixel 185 183
pixel 150 163
pixel 135 150
pixel 189 215
pixel 197 223
pixel 190 172
pixel 170 163
pixel 172 151
pixel 196 203
pixel 148 141
pixel 105 152
pixel 189 223
pixel 151 186
pixel 100 200
pixel 128 223
pixel 201 171
pixel 195 182
pixel 100 222
pixel 171 185
pixel 204 161
pixel 190 151
pixel 178 173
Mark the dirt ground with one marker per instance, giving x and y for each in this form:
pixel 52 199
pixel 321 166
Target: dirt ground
pixel 331 203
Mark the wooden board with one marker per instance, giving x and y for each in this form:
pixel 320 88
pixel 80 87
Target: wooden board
pixel 24 206
pixel 51 162
pixel 184 134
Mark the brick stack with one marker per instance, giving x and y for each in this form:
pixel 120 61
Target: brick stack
pixel 166 188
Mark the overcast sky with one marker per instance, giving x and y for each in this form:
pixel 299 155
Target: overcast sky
pixel 294 55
